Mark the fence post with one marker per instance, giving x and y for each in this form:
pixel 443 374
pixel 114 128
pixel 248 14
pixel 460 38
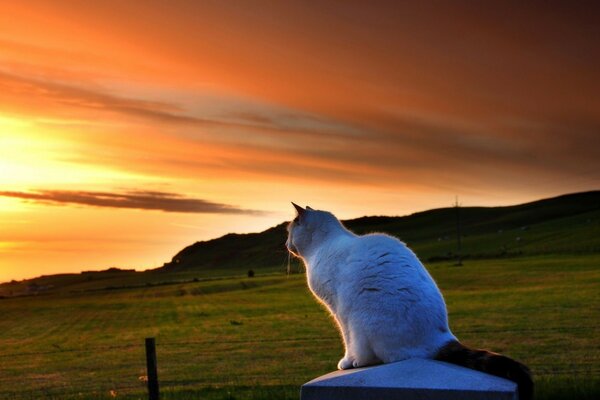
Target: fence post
pixel 151 369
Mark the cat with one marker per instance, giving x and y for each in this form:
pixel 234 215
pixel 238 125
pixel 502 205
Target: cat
pixel 386 305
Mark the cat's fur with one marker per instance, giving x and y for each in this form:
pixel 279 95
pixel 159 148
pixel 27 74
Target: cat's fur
pixel 387 306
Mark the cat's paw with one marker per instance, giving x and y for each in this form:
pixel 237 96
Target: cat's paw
pixel 346 363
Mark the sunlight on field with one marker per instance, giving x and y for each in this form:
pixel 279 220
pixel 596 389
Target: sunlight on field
pixel 266 336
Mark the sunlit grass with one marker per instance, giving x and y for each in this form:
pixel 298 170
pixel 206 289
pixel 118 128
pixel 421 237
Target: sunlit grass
pixel 263 337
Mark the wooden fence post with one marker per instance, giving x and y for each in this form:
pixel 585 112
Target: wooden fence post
pixel 151 369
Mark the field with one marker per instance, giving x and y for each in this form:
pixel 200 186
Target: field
pixel 262 337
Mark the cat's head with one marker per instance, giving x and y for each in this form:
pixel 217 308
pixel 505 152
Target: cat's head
pixel 310 229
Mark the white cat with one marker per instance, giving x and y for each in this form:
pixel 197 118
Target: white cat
pixel 387 306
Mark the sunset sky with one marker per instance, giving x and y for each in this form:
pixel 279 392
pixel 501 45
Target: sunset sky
pixel 129 130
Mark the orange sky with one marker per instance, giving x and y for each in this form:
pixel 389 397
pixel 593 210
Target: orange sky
pixel 130 130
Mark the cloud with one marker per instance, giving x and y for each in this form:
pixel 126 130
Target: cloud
pixel 70 95
pixel 267 120
pixel 381 146
pixel 140 200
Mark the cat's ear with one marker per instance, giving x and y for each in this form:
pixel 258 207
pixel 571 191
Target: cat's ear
pixel 309 208
pixel 299 209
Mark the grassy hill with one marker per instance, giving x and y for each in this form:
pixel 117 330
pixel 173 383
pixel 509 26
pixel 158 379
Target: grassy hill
pixel 561 225
pixel 568 224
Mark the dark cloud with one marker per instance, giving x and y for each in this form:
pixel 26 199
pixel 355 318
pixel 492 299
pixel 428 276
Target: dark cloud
pixel 140 200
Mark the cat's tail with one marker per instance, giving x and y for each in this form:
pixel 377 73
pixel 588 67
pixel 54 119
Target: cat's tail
pixel 496 364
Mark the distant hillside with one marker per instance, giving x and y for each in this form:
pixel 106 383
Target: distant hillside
pixel 568 224
pixel 564 224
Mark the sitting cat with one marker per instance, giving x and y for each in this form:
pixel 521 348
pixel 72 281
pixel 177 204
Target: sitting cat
pixel 386 304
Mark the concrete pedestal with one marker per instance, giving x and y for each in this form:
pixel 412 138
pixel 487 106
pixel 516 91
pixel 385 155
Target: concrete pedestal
pixel 413 379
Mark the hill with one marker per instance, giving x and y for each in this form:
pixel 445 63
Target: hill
pixel 559 225
pixel 568 224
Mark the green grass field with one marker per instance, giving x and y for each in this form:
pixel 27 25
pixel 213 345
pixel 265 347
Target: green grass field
pixel 242 338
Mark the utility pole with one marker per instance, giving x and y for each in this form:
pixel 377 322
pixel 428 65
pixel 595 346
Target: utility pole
pixel 458 244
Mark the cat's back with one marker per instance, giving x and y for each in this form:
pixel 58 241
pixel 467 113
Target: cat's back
pixel 362 248
pixel 384 259
pixel 380 246
pixel 386 278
